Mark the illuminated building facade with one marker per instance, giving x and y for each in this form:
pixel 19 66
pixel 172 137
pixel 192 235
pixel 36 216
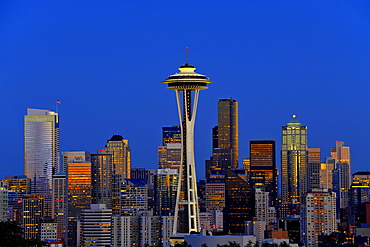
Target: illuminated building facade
pixel 59 204
pixel 343 170
pixel 33 212
pixel 215 195
pixel 78 185
pixel 318 216
pixel 41 152
pixel 96 226
pixel 171 135
pixel 102 177
pixel 293 166
pixel 165 190
pixel 3 203
pixel 239 201
pixel 121 155
pixel 263 168
pixel 134 196
pixel 74 157
pixel 228 129
pixel 17 186
pixel 187 85
pixel 169 156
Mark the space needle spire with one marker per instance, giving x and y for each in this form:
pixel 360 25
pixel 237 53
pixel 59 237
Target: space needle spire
pixel 187 84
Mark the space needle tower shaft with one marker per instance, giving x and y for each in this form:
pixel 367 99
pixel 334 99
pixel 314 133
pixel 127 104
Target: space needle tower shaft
pixel 187 85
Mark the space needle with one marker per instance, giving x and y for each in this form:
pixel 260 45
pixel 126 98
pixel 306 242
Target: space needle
pixel 187 85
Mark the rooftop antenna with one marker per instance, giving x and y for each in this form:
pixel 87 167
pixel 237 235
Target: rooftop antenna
pixel 187 55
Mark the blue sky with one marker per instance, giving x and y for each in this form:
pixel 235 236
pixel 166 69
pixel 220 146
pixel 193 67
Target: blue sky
pixel 105 60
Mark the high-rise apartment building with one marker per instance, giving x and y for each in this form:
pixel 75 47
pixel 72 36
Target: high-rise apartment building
pixel 263 168
pixel 228 129
pixel 318 216
pixel 134 196
pixel 41 152
pixel 187 85
pixel 293 166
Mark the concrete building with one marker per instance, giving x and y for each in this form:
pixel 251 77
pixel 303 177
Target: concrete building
pixel 3 203
pixel 318 216
pixel 96 226
pixel 48 229
pixel 33 212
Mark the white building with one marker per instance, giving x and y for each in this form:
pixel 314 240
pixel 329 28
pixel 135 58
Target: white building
pixel 48 229
pixel 318 216
pixel 96 226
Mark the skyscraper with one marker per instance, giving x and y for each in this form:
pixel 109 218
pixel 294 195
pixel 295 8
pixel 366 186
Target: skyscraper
pixel 41 152
pixel 263 167
pixel 293 166
pixel 78 190
pixel 171 135
pixel 228 129
pixel 189 83
pixel 120 150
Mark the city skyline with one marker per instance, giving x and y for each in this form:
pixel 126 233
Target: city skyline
pixel 308 63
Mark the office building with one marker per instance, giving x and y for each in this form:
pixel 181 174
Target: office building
pixel 125 231
pixel 263 168
pixel 96 226
pixel 239 201
pixel 171 135
pixel 59 204
pixel 119 148
pixel 214 195
pixel 17 186
pixel 169 156
pixel 41 152
pixel 3 203
pixel 78 191
pixel 74 157
pixel 48 229
pixel 165 191
pixel 228 129
pixel 318 216
pixel 33 212
pixel 342 156
pixel 134 197
pixel 101 179
pixel 187 85
pixel 294 158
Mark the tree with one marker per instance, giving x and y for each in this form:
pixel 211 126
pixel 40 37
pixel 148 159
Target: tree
pixel 183 244
pixel 11 236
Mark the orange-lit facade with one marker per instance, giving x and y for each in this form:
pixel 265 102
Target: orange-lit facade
pixel 263 169
pixel 78 180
